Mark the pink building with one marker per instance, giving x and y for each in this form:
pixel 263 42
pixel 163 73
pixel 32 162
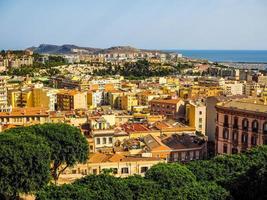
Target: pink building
pixel 240 125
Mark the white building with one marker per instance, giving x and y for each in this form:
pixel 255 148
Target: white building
pixel 3 92
pixel 233 88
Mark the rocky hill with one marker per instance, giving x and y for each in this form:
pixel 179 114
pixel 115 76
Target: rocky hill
pixel 73 49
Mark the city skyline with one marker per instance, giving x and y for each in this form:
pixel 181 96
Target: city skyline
pixel 223 24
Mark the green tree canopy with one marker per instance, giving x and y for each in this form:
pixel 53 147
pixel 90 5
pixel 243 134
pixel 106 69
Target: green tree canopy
pixel 68 145
pixel 24 163
pixel 106 187
pixel 66 192
pixel 170 175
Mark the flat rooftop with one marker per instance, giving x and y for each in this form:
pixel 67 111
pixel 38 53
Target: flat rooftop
pixel 249 104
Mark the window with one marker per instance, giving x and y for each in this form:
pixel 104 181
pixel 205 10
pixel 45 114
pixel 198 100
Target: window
pixel 235 136
pixel 125 170
pixel 244 138
pixel 104 140
pixel 255 125
pixel 175 156
pixel 200 120
pixel 225 148
pixel 225 120
pixel 253 140
pixel 197 155
pixel 110 140
pixel 97 140
pixel 144 169
pixel 115 170
pixel 225 133
pixel 265 128
pixel 245 124
pixel 235 122
pixel 94 171
pixel 200 112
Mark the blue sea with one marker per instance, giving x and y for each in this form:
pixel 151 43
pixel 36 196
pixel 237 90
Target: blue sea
pixel 251 56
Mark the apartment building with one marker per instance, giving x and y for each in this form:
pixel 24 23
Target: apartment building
pixel 171 108
pixel 240 125
pixel 44 97
pixel 20 97
pixel 233 88
pixel 23 117
pixel 120 165
pixel 128 101
pixel 95 98
pixel 3 92
pixel 176 147
pixel 71 100
pixel 196 115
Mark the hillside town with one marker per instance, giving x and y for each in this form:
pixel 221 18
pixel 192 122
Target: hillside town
pixel 200 110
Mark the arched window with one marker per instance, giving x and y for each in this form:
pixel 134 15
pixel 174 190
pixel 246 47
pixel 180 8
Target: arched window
pixel 255 126
pixel 225 123
pixel 245 124
pixel 264 128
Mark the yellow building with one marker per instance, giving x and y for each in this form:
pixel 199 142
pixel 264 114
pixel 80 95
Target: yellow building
pixel 196 116
pixel 20 98
pixel 128 101
pixel 44 97
pixel 196 91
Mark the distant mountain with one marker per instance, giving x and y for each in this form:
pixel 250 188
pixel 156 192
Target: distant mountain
pixel 64 49
pixel 73 49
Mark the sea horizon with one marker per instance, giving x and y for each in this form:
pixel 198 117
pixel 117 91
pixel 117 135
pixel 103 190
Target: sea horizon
pixel 236 56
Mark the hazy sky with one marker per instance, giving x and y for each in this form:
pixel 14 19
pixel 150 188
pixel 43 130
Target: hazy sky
pixel 157 24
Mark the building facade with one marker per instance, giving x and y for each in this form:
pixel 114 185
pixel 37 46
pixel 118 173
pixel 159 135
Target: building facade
pixel 240 125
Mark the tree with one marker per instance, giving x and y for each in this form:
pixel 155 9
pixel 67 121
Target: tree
pixel 25 163
pixel 242 174
pixel 198 191
pixel 170 175
pixel 68 145
pixel 251 185
pixel 106 187
pixel 66 192
pixel 144 189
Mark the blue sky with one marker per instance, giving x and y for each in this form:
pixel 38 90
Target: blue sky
pixel 155 24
